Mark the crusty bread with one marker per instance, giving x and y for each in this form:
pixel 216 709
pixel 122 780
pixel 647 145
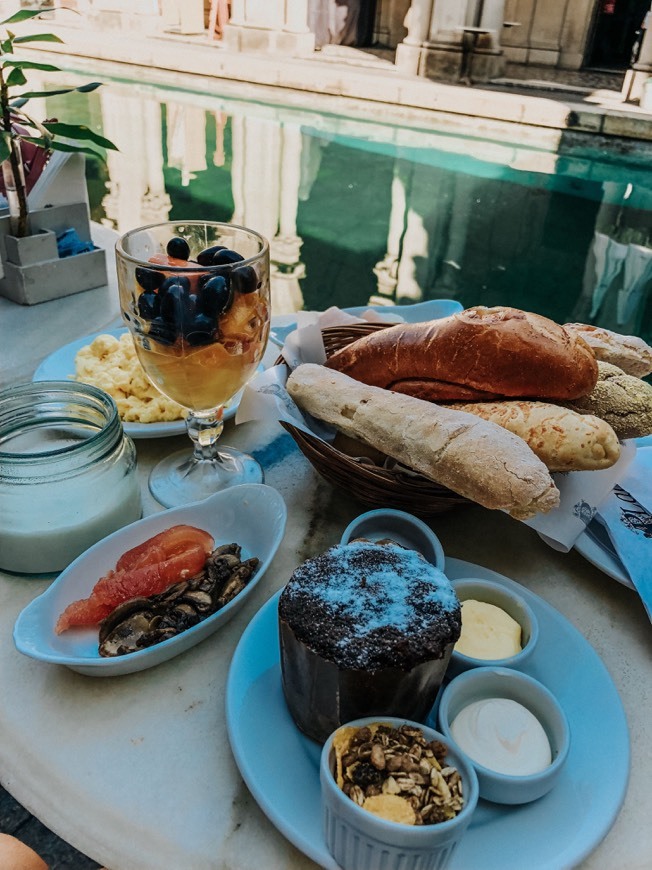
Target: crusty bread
pixel 478 354
pixel 629 352
pixel 562 439
pixel 474 458
pixel 625 402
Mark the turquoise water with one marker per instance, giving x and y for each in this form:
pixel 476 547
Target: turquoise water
pixel 358 210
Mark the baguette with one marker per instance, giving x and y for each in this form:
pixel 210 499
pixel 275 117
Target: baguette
pixel 474 458
pixel 477 355
pixel 629 352
pixel 562 439
pixel 623 401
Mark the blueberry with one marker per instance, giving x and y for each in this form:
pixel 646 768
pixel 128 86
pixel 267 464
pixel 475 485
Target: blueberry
pixel 176 306
pixel 178 248
pixel 149 305
pixel 244 279
pixel 174 281
pixel 149 279
pixel 200 330
pixel 225 257
pixel 205 258
pixel 163 332
pixel 216 297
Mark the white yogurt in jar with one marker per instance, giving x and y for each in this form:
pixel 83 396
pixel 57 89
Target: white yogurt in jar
pixel 67 474
pixel 503 736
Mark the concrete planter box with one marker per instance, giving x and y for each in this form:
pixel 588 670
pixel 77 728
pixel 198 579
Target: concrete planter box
pixel 33 272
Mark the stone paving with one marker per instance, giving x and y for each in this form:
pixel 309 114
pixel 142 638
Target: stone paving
pixel 16 820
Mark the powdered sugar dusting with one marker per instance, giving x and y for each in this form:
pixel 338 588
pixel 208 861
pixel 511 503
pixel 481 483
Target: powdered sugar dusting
pixel 362 600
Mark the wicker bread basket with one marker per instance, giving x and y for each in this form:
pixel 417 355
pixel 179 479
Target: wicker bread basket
pixel 370 484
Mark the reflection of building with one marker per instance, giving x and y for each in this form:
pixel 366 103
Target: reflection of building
pixel 136 190
pixel 266 180
pixel 617 281
pixel 427 233
pixel 186 139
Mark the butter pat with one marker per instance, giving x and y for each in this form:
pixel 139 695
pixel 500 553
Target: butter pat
pixel 488 632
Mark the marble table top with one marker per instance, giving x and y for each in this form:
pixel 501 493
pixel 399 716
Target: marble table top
pixel 137 771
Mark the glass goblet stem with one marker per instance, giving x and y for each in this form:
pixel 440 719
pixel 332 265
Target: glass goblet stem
pixel 204 431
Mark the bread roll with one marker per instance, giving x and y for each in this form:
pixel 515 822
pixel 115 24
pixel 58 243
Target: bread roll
pixel 625 402
pixel 478 354
pixel 562 439
pixel 474 458
pixel 628 352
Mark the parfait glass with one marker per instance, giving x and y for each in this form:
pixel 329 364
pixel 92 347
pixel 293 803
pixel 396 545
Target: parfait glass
pixel 195 296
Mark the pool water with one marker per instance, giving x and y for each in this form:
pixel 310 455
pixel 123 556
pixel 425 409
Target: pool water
pixel 358 210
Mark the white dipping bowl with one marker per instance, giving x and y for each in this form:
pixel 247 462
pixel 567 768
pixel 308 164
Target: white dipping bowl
pixel 359 840
pixel 483 683
pixel 514 605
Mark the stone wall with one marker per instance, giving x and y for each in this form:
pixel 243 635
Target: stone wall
pixel 550 32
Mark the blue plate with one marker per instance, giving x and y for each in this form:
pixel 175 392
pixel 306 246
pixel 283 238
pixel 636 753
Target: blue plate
pixel 281 766
pixel 60 366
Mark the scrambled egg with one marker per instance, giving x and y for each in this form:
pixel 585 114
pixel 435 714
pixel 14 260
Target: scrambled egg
pixel 112 365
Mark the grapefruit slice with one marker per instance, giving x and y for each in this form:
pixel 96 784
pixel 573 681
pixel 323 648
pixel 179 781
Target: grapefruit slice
pixel 140 576
pixel 164 545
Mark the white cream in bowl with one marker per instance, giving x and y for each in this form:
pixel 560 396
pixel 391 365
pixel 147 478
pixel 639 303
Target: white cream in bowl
pixel 503 736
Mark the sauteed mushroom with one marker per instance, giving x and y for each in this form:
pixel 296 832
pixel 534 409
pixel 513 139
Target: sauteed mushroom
pixel 143 622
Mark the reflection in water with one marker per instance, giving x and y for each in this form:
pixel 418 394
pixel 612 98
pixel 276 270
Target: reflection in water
pixel 359 211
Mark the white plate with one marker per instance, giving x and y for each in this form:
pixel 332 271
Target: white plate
pixel 281 766
pixel 432 309
pixel 60 366
pixel 253 515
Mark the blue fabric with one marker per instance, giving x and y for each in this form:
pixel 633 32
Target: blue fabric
pixel 69 243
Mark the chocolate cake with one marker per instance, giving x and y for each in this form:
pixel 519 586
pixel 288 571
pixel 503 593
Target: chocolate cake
pixel 365 630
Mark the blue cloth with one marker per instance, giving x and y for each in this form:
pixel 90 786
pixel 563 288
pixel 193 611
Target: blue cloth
pixel 69 243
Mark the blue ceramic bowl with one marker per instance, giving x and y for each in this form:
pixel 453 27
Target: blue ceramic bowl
pixel 359 840
pixel 483 683
pixel 398 526
pixel 514 605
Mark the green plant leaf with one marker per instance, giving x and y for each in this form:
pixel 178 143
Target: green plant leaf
pixel 38 37
pixel 25 15
pixel 16 77
pixel 55 145
pixel 83 89
pixel 17 104
pixel 29 64
pixel 7 45
pixel 5 146
pixel 78 131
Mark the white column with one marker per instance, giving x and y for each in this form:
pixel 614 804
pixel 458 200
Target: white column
pixel 634 87
pixel 418 22
pixel 433 46
pixel 279 26
pixel 493 15
pixel 296 16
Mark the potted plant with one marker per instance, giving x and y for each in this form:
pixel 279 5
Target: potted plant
pixel 48 253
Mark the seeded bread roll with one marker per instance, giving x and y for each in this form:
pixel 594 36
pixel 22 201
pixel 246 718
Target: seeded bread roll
pixel 562 439
pixel 625 402
pixel 628 352
pixel 474 458
pixel 477 355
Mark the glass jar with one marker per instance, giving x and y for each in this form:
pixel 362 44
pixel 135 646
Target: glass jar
pixel 67 474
